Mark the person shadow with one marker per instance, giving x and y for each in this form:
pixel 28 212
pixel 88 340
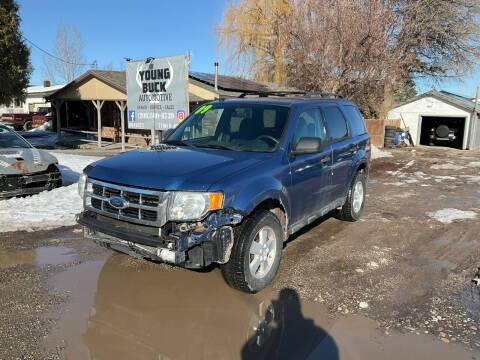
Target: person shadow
pixel 284 333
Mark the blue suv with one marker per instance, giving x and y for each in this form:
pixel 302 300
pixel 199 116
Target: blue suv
pixel 231 183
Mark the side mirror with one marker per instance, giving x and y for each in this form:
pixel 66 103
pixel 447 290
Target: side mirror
pixel 308 145
pixel 167 133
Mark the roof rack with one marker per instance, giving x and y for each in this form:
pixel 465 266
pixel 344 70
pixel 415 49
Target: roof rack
pixel 307 94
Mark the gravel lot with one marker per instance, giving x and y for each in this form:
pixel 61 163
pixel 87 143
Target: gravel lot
pixel 395 284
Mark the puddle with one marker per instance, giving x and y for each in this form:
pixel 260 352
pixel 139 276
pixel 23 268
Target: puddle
pixel 117 312
pixel 120 311
pixel 45 255
pixel 54 255
pixel 478 191
pixel 373 181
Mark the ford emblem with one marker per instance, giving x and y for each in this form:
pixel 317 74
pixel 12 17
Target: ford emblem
pixel 117 202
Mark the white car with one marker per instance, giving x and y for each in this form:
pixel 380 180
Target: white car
pixel 25 170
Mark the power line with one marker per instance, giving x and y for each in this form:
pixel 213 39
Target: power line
pixel 56 57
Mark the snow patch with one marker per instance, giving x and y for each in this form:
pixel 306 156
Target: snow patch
pixel 44 127
pixel 447 166
pixel 474 164
pixel 363 305
pixel 410 163
pixel 472 178
pixel 49 209
pixel 448 215
pixel 377 153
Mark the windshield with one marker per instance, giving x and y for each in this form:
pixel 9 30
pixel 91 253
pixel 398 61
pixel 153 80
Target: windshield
pixel 233 126
pixel 10 139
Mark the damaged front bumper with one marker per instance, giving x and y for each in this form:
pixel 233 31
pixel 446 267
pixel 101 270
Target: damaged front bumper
pixel 191 245
pixel 28 184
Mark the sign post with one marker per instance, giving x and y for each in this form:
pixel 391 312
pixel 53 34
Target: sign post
pixel 157 93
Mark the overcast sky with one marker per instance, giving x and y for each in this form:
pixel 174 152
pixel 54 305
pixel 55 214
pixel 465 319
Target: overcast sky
pixel 113 30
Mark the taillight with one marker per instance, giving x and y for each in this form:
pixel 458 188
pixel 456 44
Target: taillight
pixel 368 149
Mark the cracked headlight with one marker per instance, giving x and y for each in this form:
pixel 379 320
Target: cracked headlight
pixel 193 205
pixel 81 184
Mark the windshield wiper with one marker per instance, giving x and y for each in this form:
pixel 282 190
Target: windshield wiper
pixel 214 146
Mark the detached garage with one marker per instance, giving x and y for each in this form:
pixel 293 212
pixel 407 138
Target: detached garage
pixel 440 118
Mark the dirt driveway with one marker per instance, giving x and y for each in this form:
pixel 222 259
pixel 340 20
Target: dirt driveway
pixel 396 284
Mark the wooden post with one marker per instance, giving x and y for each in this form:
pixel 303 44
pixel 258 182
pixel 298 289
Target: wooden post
pixel 474 121
pixel 67 113
pixel 153 137
pixel 121 106
pixel 98 104
pixel 58 105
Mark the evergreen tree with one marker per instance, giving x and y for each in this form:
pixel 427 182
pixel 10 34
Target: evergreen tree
pixel 15 66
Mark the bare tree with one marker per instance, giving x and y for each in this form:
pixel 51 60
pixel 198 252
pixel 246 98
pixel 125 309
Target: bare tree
pixel 370 50
pixel 69 61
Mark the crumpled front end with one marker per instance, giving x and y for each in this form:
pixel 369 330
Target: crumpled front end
pixel 29 184
pixel 189 244
pixel 27 171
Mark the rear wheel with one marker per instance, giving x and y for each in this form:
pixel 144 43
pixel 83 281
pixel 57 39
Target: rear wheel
pixel 353 207
pixel 256 253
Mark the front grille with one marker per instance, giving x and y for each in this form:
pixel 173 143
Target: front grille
pixel 141 206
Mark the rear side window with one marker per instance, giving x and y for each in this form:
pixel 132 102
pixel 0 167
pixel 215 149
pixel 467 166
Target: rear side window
pixel 334 123
pixel 357 125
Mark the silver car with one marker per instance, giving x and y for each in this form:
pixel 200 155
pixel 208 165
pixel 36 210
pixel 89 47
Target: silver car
pixel 25 170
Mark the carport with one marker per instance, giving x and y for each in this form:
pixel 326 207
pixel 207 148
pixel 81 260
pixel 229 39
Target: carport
pixel 93 104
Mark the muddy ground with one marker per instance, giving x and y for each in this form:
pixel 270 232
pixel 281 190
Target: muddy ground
pixel 396 284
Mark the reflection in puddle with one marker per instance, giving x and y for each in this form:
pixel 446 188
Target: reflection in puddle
pixel 45 255
pixel 120 311
pixel 170 313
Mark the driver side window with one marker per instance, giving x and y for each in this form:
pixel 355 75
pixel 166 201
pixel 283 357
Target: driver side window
pixel 309 124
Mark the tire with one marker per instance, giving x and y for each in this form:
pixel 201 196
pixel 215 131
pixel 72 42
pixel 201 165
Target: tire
pixel 27 125
pixel 442 131
pixel 351 210
pixel 236 271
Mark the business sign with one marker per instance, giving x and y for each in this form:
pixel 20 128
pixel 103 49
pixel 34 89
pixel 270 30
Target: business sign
pixel 157 92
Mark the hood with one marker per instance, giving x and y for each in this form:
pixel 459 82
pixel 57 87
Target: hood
pixel 21 161
pixel 165 167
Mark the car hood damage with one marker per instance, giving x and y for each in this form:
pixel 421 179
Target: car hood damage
pixel 24 161
pixel 172 167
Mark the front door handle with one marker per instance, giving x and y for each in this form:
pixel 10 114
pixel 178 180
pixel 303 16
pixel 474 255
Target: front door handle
pixel 325 160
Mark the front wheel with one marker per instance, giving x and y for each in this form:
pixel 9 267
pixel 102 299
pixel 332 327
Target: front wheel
pixel 256 253
pixel 353 207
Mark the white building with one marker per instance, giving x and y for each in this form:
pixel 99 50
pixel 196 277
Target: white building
pixel 35 99
pixel 419 112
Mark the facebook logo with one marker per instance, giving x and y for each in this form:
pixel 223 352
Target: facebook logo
pixel 131 116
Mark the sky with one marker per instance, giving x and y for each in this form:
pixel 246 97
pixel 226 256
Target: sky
pixel 115 29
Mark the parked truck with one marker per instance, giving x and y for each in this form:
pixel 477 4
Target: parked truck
pixel 25 121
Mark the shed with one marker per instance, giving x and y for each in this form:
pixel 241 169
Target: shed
pixel 420 112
